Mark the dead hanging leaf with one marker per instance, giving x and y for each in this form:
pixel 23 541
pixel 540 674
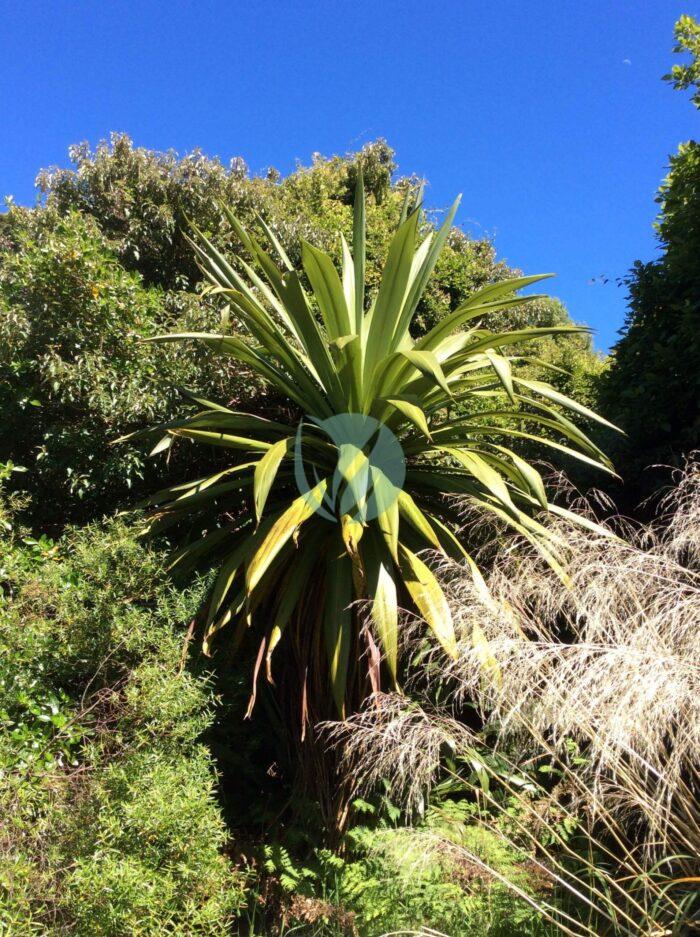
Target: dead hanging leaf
pixel 374 665
pixel 186 644
pixel 258 662
pixel 304 705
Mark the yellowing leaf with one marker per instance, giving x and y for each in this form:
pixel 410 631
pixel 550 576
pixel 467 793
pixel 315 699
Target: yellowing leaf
pixel 484 473
pixel 485 655
pixel 284 528
pixel 388 522
pixel 266 472
pixel 429 599
pixel 226 440
pixel 352 531
pixel 417 519
pixel 385 616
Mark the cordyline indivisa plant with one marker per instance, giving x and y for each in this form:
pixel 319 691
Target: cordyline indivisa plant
pixel 316 567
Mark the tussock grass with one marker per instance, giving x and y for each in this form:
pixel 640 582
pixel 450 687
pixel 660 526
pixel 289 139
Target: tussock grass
pixel 599 681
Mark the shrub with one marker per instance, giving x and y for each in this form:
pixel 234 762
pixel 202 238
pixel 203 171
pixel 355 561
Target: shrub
pixel 103 261
pixel 108 797
pixel 392 880
pixel 74 376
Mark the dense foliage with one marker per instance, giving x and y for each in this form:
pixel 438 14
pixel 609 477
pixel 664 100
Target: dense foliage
pixel 110 823
pixel 544 780
pixel 102 261
pixel 110 792
pixel 109 820
pixel 588 748
pixel 388 882
pixel 652 389
pixel 356 382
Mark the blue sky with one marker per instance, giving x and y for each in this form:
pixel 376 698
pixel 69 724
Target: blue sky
pixel 550 117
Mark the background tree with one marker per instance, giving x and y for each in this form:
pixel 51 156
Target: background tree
pixel 102 261
pixel 652 389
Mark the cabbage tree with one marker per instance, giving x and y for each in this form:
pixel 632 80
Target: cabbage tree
pixel 318 542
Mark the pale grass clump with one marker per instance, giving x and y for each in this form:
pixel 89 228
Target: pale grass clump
pixel 392 740
pixel 612 661
pixel 599 679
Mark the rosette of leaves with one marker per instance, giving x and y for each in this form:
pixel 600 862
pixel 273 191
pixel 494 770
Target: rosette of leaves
pixel 454 400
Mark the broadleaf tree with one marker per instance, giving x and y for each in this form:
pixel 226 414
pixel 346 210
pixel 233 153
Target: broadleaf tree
pixel 652 387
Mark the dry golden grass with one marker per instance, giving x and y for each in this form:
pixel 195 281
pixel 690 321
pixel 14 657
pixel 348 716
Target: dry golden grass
pixel 609 668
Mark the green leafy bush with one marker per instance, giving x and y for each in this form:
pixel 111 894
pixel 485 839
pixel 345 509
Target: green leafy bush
pixel 74 376
pixel 402 881
pixel 103 261
pixel 110 822
pixel 652 388
pixel 112 817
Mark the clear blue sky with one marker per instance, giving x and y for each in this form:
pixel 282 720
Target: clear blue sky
pixel 550 117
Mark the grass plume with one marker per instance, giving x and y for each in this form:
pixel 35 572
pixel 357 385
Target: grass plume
pixel 600 682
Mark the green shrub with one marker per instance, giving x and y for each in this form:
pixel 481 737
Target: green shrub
pixel 103 261
pixel 74 376
pixel 110 821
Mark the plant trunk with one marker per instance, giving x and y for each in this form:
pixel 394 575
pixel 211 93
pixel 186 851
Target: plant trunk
pixel 308 702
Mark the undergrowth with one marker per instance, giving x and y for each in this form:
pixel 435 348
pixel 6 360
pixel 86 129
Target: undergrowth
pixel 110 823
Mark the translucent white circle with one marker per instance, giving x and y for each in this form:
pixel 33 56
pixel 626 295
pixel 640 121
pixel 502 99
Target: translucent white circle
pixel 369 473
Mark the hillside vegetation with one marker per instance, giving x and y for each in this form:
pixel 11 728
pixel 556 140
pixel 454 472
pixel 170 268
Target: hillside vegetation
pixel 481 715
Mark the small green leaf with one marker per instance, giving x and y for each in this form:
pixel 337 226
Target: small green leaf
pixel 412 412
pixel 427 363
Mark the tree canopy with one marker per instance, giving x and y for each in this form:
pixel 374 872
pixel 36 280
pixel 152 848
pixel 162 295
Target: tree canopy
pixel 653 387
pixel 102 261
